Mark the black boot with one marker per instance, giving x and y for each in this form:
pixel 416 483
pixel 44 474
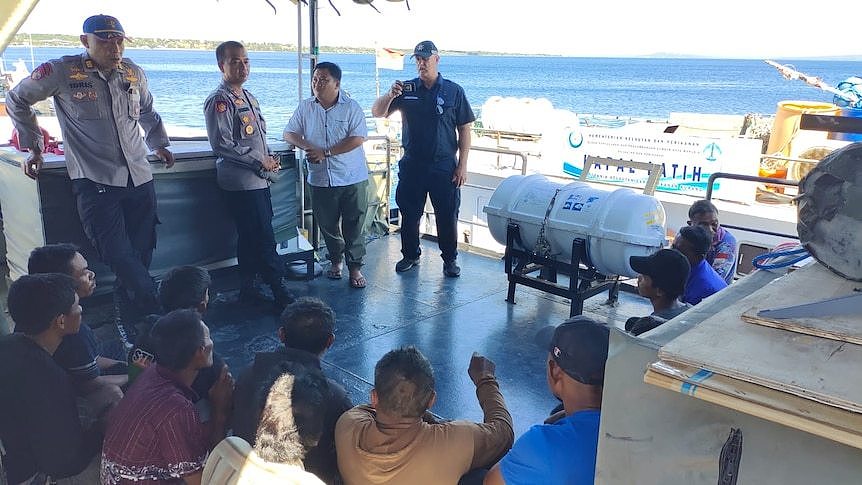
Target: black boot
pixel 283 296
pixel 250 293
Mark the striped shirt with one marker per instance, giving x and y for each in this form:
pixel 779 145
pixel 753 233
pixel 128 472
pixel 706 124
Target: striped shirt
pixel 155 434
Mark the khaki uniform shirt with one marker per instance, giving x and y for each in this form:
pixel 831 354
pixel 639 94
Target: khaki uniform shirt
pixel 101 116
pixel 237 133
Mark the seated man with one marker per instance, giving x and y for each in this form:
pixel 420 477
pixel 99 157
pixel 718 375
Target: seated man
pixel 155 434
pixel 290 425
pixel 694 242
pixel 183 287
pixel 39 425
pixel 723 252
pixel 661 278
pixel 389 442
pixel 81 354
pixel 565 451
pixel 306 330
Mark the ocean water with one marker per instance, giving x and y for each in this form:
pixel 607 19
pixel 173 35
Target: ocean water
pixel 643 87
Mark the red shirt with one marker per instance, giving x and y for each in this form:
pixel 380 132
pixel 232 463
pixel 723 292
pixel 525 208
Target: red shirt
pixel 155 434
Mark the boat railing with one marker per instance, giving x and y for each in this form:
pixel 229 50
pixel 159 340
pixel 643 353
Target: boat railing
pixel 395 220
pixel 507 135
pixel 384 172
pixel 750 178
pixel 377 168
pixel 504 151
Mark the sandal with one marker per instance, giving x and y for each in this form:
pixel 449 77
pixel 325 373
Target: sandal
pixel 333 273
pixel 358 282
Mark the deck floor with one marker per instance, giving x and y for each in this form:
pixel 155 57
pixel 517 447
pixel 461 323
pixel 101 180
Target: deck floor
pixel 446 318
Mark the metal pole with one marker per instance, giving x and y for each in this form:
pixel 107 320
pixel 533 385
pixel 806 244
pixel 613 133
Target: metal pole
pixel 314 46
pixel 376 70
pixel 299 54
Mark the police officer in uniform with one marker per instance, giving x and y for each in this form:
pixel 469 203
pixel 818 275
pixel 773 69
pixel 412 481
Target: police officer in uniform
pixel 245 169
pixel 102 101
pixel 436 120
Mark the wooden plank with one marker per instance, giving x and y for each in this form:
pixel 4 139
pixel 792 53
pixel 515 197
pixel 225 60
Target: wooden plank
pixel 835 124
pixel 785 409
pixel 811 367
pixel 842 328
pixel 804 287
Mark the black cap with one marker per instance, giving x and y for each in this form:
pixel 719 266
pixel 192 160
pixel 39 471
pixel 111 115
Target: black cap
pixel 667 268
pixel 424 49
pixel 580 347
pixel 104 27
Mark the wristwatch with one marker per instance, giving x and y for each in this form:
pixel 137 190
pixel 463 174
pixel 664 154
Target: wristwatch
pixel 327 153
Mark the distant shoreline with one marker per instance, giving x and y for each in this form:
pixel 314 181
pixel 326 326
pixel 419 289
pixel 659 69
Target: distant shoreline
pixel 323 50
pixel 147 43
pixel 59 41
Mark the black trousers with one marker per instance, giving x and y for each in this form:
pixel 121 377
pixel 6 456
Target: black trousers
pixel 120 223
pixel 414 185
pixel 255 245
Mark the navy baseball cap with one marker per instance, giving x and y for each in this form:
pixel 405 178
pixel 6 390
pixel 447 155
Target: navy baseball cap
pixel 667 268
pixel 580 347
pixel 424 49
pixel 104 27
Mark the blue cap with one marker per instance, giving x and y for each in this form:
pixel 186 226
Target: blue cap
pixel 104 27
pixel 424 49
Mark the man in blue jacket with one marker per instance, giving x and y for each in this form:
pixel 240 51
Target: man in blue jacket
pixel 436 137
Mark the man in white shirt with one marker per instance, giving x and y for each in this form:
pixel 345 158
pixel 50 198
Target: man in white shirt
pixel 330 127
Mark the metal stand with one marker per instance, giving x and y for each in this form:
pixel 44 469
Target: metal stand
pixel 584 280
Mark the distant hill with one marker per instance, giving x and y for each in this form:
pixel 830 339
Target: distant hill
pixel 55 40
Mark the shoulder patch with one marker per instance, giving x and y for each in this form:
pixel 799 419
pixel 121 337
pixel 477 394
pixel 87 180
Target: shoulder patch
pixel 44 70
pixel 221 106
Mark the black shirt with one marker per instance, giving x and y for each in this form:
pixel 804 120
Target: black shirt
pixel 77 354
pixel 39 422
pixel 320 460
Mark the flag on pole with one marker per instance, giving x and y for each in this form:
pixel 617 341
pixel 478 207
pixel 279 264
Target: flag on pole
pixel 389 59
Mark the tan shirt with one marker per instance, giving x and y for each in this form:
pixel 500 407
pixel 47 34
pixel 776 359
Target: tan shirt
pixel 417 452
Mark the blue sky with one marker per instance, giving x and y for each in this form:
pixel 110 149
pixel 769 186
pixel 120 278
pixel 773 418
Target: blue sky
pixel 730 28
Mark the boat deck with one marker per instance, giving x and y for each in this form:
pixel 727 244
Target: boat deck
pixel 446 318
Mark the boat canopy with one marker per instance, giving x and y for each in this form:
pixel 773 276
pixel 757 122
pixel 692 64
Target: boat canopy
pixel 13 13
